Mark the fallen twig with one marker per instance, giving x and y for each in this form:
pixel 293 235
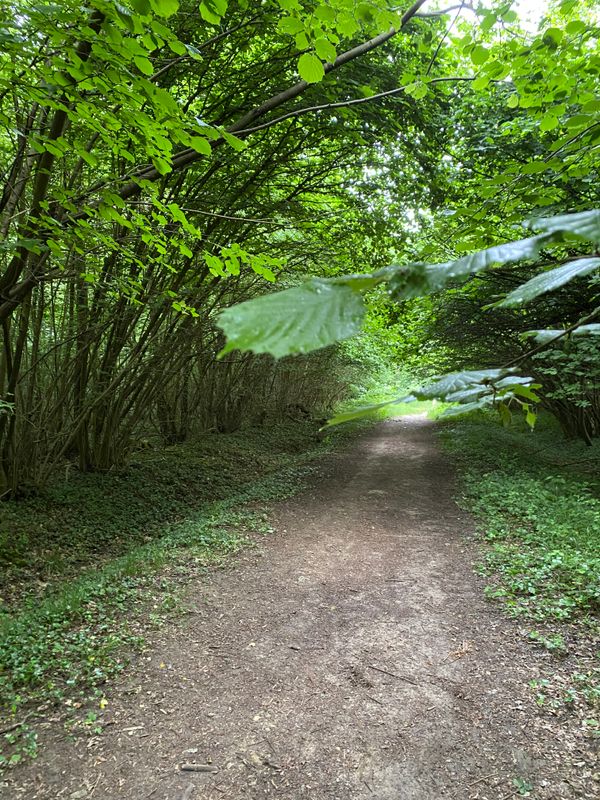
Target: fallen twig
pixel 393 674
pixel 16 725
pixel 188 792
pixel 199 768
pixel 268 763
pixel 483 778
pixel 374 700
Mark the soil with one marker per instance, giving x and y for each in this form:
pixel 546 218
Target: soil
pixel 350 656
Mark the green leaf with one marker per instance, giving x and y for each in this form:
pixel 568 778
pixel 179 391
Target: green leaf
pixel 485 402
pixel 585 225
pixel 296 320
pixel 549 122
pixel 418 89
pixel 534 167
pixel 310 68
pixel 479 54
pixel 141 6
pixel 144 65
pixel 511 381
pixel 301 41
pixel 439 274
pixel 552 279
pixel 233 141
pixel 165 8
pixel 325 50
pixel 467 394
pixel 291 25
pixel 530 416
pixel 459 381
pixel 592 329
pixel 505 414
pixel 208 13
pixel 362 412
pixel 200 145
pixel 547 335
pixel 527 392
pixel 163 166
pixel 579 121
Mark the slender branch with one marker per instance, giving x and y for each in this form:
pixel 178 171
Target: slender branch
pixel 583 321
pixel 188 156
pixel 213 214
pixel 344 104
pixel 443 38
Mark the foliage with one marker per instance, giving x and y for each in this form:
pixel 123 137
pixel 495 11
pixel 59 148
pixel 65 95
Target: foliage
pixel 540 514
pixel 61 640
pixel 147 182
pixel 537 505
pixel 318 314
pixel 162 160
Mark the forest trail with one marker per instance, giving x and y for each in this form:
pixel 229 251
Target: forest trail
pixel 351 656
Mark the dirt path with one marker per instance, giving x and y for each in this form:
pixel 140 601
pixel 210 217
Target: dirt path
pixel 352 656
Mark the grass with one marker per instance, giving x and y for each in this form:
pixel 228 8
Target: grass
pixel 536 497
pixel 90 564
pixel 540 509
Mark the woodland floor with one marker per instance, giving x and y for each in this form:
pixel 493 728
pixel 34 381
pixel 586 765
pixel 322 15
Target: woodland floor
pixel 350 655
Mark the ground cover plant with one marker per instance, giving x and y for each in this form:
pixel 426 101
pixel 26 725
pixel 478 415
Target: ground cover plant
pixel 536 498
pixel 81 589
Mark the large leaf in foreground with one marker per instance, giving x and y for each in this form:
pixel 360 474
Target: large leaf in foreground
pixel 584 225
pixel 414 279
pixel 465 408
pixel 297 320
pixel 365 411
pixel 459 382
pixel 440 274
pixel 547 335
pixel 552 279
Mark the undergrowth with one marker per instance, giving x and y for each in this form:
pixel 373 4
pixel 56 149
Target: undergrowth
pixel 81 561
pixel 537 499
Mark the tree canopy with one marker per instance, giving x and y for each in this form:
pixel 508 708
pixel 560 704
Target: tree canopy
pixel 163 160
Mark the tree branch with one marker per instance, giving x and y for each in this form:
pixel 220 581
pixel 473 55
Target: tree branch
pixel 344 104
pixel 188 156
